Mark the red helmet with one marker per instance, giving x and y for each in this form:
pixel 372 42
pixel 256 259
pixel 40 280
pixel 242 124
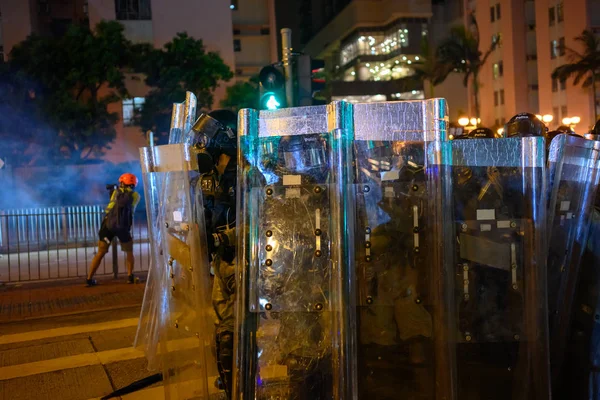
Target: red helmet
pixel 128 179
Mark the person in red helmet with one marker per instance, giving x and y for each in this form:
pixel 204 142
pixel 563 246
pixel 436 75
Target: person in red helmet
pixel 117 222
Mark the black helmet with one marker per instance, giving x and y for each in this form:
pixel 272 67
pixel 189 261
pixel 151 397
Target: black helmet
pixel 525 124
pixel 563 129
pixel 302 154
pixel 478 133
pixel 215 134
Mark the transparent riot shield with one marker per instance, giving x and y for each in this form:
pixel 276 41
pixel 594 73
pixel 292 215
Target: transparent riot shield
pixel 292 334
pixel 498 268
pixel 189 113
pixel 149 326
pixel 574 176
pixel 402 318
pixel 177 123
pixel 187 334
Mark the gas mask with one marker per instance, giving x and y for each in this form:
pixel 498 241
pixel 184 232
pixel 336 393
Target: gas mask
pixel 211 139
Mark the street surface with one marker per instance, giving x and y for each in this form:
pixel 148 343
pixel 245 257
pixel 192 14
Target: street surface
pixel 64 341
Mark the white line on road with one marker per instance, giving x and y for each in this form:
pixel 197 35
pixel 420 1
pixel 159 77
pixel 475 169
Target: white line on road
pixel 69 330
pixel 58 364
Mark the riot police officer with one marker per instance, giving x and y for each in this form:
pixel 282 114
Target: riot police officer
pixel 215 151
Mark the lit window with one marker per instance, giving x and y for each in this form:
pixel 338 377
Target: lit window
pixel 553 49
pixel 551 16
pixel 496 70
pixel 131 109
pixel 133 10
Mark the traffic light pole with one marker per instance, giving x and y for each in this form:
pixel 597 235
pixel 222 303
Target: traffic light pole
pixel 286 51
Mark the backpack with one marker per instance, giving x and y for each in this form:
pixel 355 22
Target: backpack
pixel 120 217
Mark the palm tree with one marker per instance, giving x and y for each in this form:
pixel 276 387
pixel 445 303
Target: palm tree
pixel 430 68
pixel 584 66
pixel 460 51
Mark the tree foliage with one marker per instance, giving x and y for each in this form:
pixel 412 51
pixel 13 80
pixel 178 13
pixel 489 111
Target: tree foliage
pixel 182 65
pixel 242 95
pixel 430 67
pixel 460 51
pixel 73 79
pixel 583 66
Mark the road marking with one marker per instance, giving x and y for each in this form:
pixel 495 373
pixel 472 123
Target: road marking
pixel 66 331
pixel 87 359
pixel 78 361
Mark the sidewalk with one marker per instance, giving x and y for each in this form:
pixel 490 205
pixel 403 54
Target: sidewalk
pixel 47 299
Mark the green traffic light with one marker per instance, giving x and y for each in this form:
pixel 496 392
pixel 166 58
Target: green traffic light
pixel 272 103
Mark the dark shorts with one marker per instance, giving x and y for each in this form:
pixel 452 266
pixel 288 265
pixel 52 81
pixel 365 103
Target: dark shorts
pixel 106 235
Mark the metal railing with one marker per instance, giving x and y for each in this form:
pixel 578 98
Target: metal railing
pixel 60 242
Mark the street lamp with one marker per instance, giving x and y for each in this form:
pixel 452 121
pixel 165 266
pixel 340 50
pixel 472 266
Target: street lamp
pixel 575 120
pixel 547 118
pixel 566 121
pixel 538 116
pixel 500 132
pixel 464 121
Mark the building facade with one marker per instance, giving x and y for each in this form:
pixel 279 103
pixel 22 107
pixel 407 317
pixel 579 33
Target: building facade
pixel 532 36
pixel 254 36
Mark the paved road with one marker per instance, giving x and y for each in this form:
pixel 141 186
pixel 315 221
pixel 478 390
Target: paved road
pixel 80 356
pixel 64 263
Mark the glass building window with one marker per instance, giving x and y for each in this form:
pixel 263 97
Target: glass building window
pixel 553 49
pixel 560 16
pixel 237 45
pixel 131 108
pixel 563 84
pixel 554 85
pixel 492 14
pixel 498 11
pixel 555 113
pixel 495 98
pixel 133 10
pixel 375 43
pixel 563 111
pixel 561 46
pixel 551 16
pixel 496 70
pixel 502 97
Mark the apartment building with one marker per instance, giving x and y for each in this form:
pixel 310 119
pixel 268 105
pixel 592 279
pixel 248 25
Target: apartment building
pixel 531 37
pixel 254 36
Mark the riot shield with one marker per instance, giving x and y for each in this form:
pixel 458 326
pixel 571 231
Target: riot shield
pixel 574 176
pixel 402 318
pixel 186 337
pixel 177 123
pixel 498 268
pixel 189 113
pixel 149 326
pixel 292 336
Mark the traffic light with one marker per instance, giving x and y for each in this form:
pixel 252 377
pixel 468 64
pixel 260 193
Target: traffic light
pixel 308 81
pixel 272 88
